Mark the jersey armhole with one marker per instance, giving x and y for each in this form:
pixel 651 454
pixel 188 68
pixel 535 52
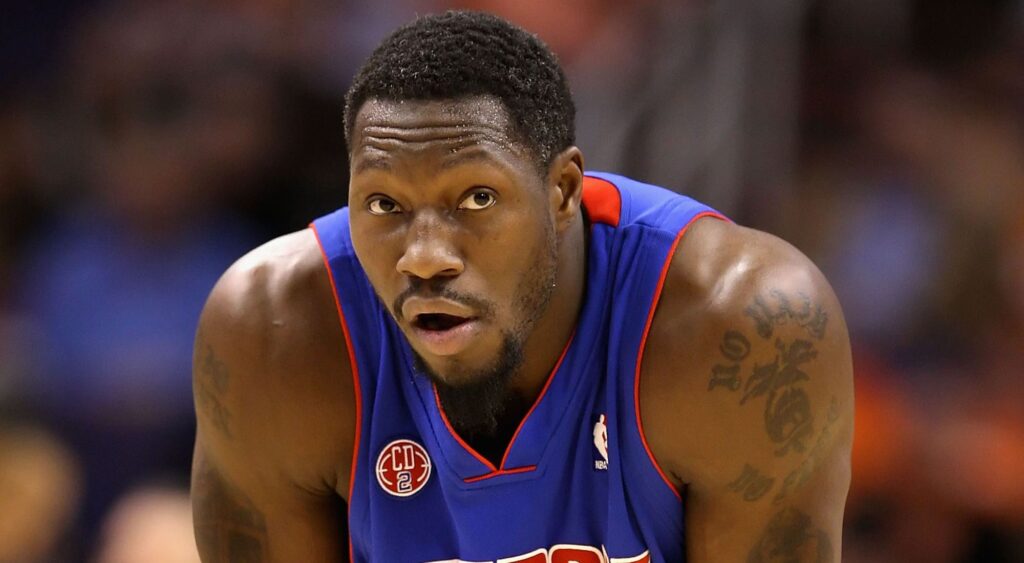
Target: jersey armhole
pixel 357 388
pixel 643 345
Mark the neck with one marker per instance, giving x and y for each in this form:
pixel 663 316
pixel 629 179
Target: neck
pixel 551 335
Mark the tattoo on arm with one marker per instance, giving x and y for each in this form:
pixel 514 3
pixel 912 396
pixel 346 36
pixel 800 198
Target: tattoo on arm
pixel 751 484
pixel 779 378
pixel 788 416
pixel 227 526
pixel 778 309
pixel 787 412
pixel 735 347
pixel 814 459
pixel 211 383
pixel 791 537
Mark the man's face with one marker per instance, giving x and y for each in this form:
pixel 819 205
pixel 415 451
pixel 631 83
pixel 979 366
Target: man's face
pixel 454 227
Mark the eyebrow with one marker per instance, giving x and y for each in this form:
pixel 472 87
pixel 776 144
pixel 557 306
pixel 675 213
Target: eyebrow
pixel 372 163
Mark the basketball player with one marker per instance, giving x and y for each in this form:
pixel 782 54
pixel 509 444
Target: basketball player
pixel 491 355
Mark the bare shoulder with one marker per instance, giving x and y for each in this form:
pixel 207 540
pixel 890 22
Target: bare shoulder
pixel 746 387
pixel 271 375
pixel 720 266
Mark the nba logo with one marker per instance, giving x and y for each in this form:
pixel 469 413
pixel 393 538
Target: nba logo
pixel 403 468
pixel 601 443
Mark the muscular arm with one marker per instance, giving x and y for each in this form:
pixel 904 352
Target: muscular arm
pixel 272 388
pixel 756 426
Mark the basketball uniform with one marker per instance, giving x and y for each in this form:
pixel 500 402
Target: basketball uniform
pixel 577 482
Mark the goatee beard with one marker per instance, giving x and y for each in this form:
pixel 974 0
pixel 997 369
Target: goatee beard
pixel 475 408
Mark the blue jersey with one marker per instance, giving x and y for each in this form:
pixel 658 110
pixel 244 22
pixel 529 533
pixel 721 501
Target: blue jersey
pixel 577 482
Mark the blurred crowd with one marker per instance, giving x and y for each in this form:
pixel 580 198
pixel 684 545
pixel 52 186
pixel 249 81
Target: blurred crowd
pixel 146 144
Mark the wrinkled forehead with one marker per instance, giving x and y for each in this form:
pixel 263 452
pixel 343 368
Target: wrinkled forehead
pixel 477 118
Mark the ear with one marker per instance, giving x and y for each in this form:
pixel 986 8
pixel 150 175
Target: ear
pixel 565 181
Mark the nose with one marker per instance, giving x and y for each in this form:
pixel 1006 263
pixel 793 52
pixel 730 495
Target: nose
pixel 430 250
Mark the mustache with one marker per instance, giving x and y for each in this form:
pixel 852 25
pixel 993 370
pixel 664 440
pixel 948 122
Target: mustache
pixel 425 289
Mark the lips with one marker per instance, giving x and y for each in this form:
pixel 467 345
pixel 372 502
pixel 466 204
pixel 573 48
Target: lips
pixel 443 327
pixel 415 306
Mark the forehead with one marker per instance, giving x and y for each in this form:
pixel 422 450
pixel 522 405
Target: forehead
pixel 419 124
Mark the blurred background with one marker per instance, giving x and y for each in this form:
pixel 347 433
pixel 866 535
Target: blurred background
pixel 144 145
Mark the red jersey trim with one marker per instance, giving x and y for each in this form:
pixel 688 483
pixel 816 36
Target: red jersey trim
pixel 502 470
pixel 500 473
pixel 355 385
pixel 602 201
pixel 643 346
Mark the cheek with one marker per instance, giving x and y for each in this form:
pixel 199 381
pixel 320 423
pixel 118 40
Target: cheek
pixel 509 257
pixel 378 253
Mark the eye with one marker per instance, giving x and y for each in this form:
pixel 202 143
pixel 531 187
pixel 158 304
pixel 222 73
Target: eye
pixel 381 205
pixel 481 199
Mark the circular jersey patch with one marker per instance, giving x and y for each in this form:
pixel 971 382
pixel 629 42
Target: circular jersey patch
pixel 403 468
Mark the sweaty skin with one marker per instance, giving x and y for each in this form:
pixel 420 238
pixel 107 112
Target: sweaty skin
pixel 746 383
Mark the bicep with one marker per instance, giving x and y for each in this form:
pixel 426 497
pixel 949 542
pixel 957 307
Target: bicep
pixel 256 495
pixel 236 518
pixel 780 387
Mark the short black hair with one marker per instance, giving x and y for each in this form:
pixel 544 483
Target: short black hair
pixel 459 54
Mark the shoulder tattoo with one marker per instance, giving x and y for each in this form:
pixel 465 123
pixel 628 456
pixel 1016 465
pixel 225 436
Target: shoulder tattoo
pixel 777 378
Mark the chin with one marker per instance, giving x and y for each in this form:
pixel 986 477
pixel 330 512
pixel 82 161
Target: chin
pixel 451 371
pixel 461 372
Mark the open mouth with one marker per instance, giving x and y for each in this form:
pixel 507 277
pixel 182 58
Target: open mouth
pixel 438 321
pixel 444 334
